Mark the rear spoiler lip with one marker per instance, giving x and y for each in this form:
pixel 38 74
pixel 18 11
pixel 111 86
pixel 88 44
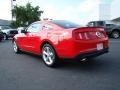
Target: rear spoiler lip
pixel 75 29
pixel 88 27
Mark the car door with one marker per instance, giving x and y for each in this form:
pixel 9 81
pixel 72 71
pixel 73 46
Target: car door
pixel 22 40
pixel 33 38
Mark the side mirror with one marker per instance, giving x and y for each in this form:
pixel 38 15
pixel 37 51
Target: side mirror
pixel 23 31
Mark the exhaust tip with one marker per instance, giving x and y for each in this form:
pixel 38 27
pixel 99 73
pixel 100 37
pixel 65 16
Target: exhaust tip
pixel 84 59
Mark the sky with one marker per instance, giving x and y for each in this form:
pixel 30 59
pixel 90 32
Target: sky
pixel 79 11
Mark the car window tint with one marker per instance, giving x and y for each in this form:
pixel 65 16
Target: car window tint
pixel 100 23
pixel 109 25
pixel 48 27
pixel 91 24
pixel 65 24
pixel 34 27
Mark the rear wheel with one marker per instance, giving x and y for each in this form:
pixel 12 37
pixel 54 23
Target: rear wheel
pixel 5 37
pixel 0 39
pixel 15 47
pixel 49 56
pixel 115 34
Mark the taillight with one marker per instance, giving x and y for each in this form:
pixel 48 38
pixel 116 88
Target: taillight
pixel 89 35
pixel 77 36
pixel 80 35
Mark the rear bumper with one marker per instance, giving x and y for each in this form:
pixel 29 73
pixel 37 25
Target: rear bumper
pixel 91 54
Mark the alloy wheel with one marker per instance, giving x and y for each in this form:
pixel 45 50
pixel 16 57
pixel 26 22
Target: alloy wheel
pixel 4 37
pixel 115 34
pixel 15 47
pixel 48 55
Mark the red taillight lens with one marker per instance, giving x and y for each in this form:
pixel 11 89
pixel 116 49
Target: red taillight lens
pixel 88 35
pixel 78 36
pixel 81 35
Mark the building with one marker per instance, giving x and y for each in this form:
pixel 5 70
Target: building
pixel 107 11
pixel 115 13
pixel 4 22
pixel 104 11
pixel 100 12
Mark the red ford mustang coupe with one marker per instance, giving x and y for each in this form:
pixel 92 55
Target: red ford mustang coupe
pixel 61 39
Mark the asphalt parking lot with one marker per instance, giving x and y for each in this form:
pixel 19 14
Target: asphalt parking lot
pixel 28 72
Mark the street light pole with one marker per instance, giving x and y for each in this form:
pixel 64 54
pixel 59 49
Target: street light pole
pixel 11 9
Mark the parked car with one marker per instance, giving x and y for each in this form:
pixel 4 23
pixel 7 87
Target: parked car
pixel 1 36
pixel 61 39
pixel 20 29
pixel 111 28
pixel 8 32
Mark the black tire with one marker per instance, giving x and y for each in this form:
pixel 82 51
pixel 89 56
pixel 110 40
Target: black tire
pixel 16 48
pixel 49 55
pixel 115 34
pixel 5 37
pixel 0 39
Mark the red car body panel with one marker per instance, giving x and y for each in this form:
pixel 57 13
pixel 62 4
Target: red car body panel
pixel 65 42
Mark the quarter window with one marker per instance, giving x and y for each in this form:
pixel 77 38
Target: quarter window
pixel 48 27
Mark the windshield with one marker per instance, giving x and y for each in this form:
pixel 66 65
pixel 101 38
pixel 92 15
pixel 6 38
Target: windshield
pixel 65 24
pixel 5 27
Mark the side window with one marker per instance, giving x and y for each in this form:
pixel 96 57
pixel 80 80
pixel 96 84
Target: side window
pixel 47 27
pixel 109 25
pixel 34 28
pixel 91 24
pixel 100 23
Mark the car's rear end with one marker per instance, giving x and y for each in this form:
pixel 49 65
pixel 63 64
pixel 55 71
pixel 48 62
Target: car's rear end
pixel 89 41
pixel 82 42
pixel 12 33
pixel 86 42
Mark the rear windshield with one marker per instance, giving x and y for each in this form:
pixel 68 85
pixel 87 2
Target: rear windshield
pixel 65 24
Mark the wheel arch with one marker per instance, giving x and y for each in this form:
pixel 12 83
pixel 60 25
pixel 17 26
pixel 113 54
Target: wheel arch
pixel 116 30
pixel 48 42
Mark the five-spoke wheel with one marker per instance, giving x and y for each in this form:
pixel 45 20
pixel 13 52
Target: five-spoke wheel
pixel 49 55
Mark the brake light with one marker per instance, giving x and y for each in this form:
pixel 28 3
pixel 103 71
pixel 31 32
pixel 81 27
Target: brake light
pixel 81 35
pixel 78 36
pixel 89 35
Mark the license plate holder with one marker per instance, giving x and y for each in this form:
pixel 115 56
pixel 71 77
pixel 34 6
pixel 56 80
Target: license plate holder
pixel 100 46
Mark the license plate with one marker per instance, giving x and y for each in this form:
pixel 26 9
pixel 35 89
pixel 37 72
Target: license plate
pixel 100 46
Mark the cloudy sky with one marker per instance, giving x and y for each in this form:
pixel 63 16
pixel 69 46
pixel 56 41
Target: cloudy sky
pixel 74 10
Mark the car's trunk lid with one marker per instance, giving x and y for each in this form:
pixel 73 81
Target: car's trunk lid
pixel 89 33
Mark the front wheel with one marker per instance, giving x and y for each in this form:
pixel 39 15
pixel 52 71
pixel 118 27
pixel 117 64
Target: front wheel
pixel 115 34
pixel 15 47
pixel 0 39
pixel 49 56
pixel 5 37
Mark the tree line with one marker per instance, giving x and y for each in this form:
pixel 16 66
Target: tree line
pixel 25 15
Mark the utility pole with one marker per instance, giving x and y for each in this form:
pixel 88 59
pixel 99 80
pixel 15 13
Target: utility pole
pixel 12 8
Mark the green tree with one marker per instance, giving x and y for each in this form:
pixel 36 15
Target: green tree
pixel 25 15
